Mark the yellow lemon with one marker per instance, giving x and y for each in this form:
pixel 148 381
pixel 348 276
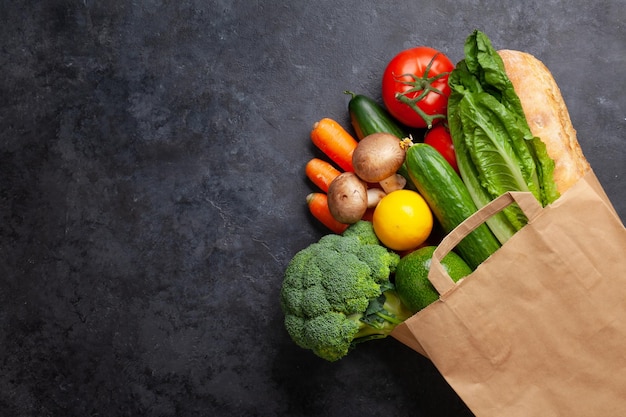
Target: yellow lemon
pixel 402 220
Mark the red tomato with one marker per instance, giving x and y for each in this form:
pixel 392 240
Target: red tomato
pixel 439 138
pixel 415 86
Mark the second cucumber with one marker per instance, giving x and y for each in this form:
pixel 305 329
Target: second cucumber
pixel 449 200
pixel 367 117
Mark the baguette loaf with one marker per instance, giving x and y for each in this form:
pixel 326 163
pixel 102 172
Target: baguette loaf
pixel 547 115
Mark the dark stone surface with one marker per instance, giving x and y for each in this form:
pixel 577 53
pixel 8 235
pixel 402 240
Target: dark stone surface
pixel 152 191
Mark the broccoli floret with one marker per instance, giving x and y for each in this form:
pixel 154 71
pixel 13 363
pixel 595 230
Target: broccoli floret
pixel 364 230
pixel 381 261
pixel 337 293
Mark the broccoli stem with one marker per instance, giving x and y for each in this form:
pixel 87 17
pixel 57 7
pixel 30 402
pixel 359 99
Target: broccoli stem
pixel 381 323
pixel 393 305
pixel 389 318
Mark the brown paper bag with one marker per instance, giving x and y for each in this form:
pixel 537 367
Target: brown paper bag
pixel 538 329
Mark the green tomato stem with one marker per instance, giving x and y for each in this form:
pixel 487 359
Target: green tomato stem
pixel 424 86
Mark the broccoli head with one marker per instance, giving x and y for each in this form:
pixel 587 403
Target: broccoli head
pixel 336 292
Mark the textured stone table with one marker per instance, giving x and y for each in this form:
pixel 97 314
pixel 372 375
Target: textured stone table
pixel 152 191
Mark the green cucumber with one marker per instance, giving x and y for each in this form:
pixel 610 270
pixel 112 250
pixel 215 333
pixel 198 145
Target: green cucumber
pixel 367 117
pixel 449 200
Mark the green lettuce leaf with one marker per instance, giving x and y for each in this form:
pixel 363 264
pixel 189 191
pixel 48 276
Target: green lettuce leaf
pixel 464 83
pixel 498 223
pixel 496 150
pixel 500 165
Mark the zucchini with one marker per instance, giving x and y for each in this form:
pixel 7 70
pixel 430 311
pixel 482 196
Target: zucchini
pixel 367 117
pixel 449 200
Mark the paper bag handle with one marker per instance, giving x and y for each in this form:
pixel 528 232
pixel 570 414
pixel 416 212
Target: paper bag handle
pixel 525 200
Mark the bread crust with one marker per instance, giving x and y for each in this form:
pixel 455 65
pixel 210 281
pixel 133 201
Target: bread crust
pixel 547 115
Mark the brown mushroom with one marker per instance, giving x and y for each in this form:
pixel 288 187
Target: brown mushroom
pixel 347 198
pixel 377 159
pixel 374 195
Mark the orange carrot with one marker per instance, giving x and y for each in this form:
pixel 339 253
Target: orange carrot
pixel 318 205
pixel 335 142
pixel 321 173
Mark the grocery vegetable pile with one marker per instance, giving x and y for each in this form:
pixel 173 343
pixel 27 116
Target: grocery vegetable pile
pixel 446 140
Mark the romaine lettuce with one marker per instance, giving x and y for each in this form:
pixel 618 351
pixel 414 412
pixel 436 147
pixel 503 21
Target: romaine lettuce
pixel 496 151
